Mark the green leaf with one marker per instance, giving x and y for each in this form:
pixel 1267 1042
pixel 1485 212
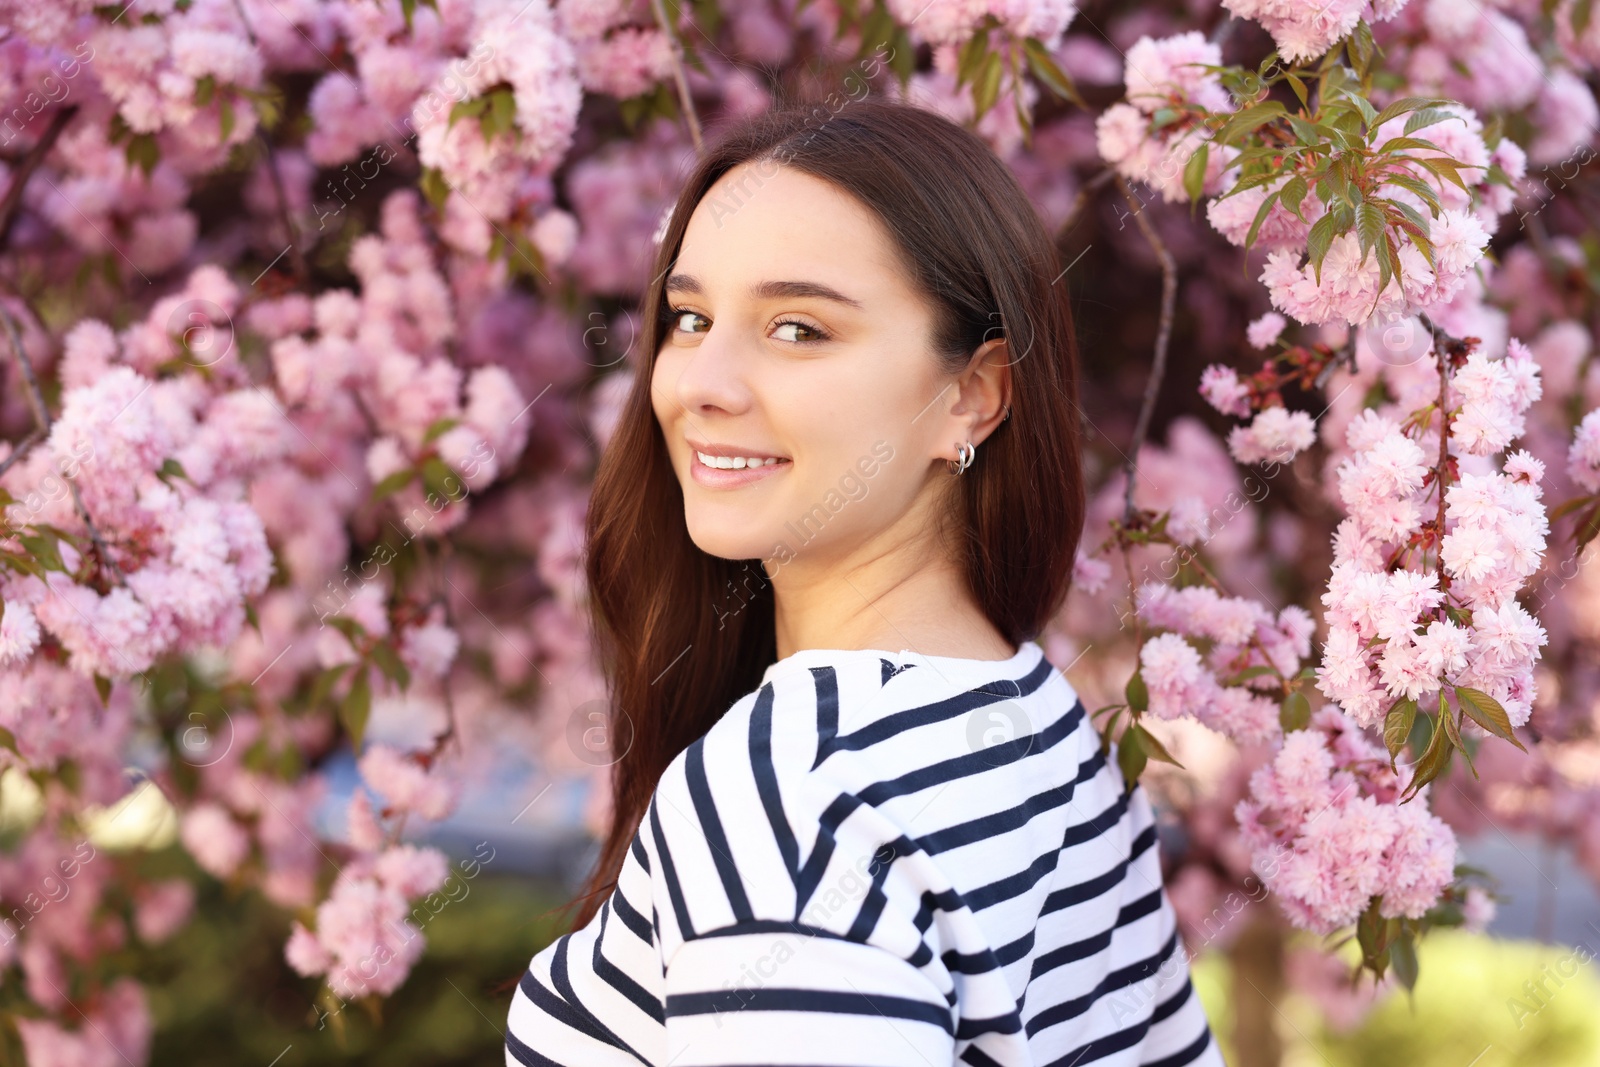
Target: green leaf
pixel 1194 173
pixel 1452 730
pixel 225 117
pixel 355 707
pixel 1487 712
pixel 1403 955
pixel 1252 118
pixel 1369 227
pixel 1394 144
pixel 8 740
pixel 1318 241
pixel 1404 104
pixel 1444 168
pixel 389 662
pixel 1045 68
pixel 102 685
pixel 1137 693
pixel 437 477
pixel 1588 528
pixel 143 152
pixel 1429 116
pixel 434 187
pixel 1566 507
pixel 205 89
pixel 1250 672
pixel 1261 216
pixel 970 60
pixel 1110 728
pixel 1293 192
pixel 1299 88
pixel 502 116
pixel 439 427
pixel 1397 726
pixel 1152 745
pixel 1295 712
pixel 323 684
pixel 1422 189
pixel 1368 112
pixel 393 483
pixel 467 109
pixel 349 627
pixel 987 88
pixel 171 468
pixel 25 564
pixel 1432 763
pixel 44 549
pixel 1131 757
pixel 408 8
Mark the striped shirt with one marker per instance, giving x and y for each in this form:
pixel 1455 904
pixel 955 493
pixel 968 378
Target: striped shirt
pixel 879 859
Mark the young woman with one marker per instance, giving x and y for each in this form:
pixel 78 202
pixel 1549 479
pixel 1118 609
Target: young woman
pixel 854 430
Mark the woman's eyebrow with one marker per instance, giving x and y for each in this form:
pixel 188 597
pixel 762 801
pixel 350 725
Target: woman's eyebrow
pixel 769 290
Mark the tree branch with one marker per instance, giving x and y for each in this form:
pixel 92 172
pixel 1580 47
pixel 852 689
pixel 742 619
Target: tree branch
pixel 1083 198
pixel 679 77
pixel 291 232
pixel 1158 366
pixel 29 164
pixel 41 416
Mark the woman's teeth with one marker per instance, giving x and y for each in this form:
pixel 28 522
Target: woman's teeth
pixel 735 462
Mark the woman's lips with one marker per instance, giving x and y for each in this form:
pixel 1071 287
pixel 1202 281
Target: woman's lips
pixel 722 478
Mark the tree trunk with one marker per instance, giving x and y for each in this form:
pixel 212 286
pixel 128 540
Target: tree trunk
pixel 1258 986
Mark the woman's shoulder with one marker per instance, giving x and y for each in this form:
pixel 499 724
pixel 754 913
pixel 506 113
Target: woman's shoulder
pixel 808 781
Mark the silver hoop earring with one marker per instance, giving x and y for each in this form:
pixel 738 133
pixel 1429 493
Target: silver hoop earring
pixel 966 452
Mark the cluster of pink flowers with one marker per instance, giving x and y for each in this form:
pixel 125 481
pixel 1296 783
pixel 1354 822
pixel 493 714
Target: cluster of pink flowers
pixel 1389 635
pixel 186 75
pixel 1275 435
pixel 943 22
pixel 1303 32
pixel 519 45
pixel 406 785
pixel 190 547
pixel 364 942
pixel 115 1030
pixel 1241 633
pixel 1583 456
pixel 1165 73
pixel 1327 835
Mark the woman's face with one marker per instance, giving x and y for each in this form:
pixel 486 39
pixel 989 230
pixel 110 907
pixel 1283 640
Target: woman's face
pixel 797 336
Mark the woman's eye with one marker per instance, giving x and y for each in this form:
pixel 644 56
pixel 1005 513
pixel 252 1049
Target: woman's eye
pixel 685 322
pixel 679 314
pixel 805 333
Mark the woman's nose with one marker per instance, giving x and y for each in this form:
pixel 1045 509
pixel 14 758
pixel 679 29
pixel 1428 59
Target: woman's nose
pixel 713 375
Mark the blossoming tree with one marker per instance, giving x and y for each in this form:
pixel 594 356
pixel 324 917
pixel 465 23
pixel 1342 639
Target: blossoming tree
pixel 315 315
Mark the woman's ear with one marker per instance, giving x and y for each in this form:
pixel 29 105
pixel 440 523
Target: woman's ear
pixel 985 388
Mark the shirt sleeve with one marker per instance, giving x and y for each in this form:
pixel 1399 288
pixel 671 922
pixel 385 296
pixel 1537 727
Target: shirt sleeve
pixel 1179 1034
pixel 801 995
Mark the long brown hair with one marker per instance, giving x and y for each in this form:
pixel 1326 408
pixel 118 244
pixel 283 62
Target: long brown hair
pixel 681 634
